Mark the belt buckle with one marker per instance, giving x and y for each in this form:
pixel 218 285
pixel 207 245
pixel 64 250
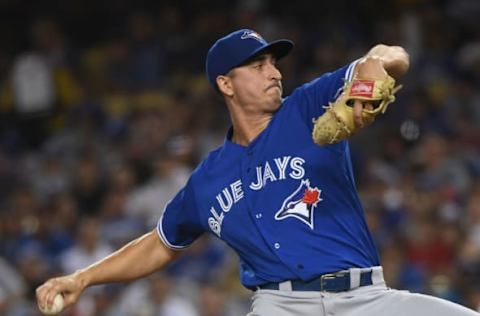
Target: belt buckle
pixel 329 276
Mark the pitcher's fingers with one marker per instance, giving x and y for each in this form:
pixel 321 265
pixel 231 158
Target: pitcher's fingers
pixel 50 290
pixel 49 297
pixel 42 294
pixel 368 106
pixel 357 113
pixel 70 298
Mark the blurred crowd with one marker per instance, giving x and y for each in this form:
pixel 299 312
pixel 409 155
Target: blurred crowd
pixel 105 110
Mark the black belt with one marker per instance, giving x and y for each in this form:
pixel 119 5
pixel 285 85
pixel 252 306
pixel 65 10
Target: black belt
pixel 336 282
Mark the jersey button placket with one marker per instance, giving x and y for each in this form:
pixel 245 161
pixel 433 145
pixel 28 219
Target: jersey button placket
pixel 249 159
pixel 276 245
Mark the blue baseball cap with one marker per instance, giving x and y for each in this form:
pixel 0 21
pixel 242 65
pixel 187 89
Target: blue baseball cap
pixel 238 47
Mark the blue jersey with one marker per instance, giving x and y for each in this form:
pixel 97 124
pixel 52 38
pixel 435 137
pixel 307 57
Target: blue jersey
pixel 287 206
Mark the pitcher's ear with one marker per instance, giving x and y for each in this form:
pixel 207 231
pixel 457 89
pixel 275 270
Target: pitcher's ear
pixel 224 84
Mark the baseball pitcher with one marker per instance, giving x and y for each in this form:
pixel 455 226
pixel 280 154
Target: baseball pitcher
pixel 280 191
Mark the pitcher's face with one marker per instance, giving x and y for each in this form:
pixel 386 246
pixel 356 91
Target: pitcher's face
pixel 258 82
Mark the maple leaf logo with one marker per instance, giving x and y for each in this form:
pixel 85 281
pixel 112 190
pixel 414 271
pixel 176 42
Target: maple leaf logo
pixel 310 196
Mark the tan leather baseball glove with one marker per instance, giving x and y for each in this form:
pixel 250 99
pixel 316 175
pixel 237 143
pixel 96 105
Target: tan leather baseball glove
pixel 337 123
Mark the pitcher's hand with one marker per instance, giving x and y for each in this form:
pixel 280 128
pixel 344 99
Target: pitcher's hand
pixel 69 286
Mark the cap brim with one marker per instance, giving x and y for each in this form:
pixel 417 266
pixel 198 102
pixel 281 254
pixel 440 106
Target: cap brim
pixel 279 49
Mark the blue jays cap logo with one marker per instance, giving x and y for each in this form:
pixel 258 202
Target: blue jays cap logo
pixel 254 35
pixel 300 204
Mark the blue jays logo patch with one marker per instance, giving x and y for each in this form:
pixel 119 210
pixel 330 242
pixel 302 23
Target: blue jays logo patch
pixel 300 204
pixel 254 35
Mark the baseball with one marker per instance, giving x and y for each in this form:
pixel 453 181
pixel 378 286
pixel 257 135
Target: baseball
pixel 56 307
